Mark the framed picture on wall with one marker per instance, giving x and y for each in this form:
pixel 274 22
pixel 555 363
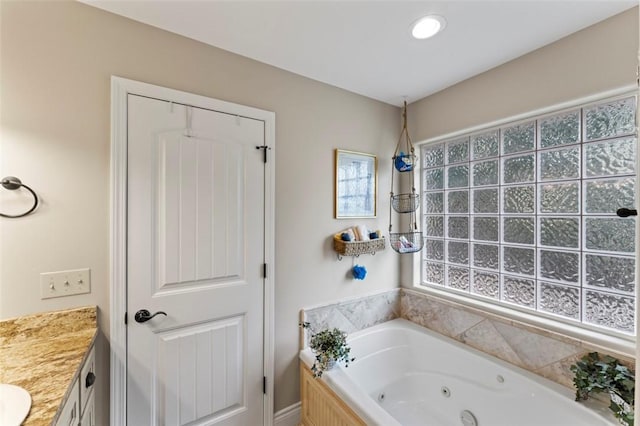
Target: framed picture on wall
pixel 356 184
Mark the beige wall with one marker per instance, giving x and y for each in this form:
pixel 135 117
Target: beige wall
pixel 598 58
pixel 56 63
pixel 56 59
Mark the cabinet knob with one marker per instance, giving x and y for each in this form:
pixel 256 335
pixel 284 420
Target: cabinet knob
pixel 90 380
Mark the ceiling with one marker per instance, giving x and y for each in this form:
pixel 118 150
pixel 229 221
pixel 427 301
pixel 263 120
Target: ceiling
pixel 365 46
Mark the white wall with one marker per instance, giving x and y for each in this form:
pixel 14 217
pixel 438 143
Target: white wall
pixel 56 63
pixel 593 60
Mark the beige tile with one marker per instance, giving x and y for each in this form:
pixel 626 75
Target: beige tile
pixel 560 371
pixel 485 337
pixel 327 317
pixel 436 315
pixel 370 311
pixel 535 350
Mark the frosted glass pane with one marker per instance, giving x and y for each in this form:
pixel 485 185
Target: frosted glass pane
pixel 561 266
pixel 434 273
pixel 559 232
pixel 486 256
pixel 519 199
pixel 607 196
pixel 486 284
pixel 434 226
pixel 458 151
pixel 519 291
pixel 458 278
pixel 458 201
pixel 434 179
pixel 457 176
pixel 560 129
pixel 485 173
pixel 560 164
pixel 458 227
pixel 609 310
pixel 434 249
pixel 610 272
pixel 611 234
pixel 610 119
pixel 520 230
pixel 485 228
pixel 485 201
pixel 434 202
pixel 518 138
pixel 519 169
pixel 559 198
pixel 458 252
pixel 485 145
pixel 433 156
pixel 519 260
pixel 609 158
pixel 560 300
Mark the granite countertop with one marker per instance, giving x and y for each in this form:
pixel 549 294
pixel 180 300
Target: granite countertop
pixel 43 354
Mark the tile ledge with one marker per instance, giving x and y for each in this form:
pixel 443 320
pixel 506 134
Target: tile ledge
pixel 560 331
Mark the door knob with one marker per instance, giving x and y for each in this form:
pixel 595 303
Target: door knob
pixel 143 315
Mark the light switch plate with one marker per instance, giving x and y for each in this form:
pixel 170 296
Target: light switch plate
pixel 65 283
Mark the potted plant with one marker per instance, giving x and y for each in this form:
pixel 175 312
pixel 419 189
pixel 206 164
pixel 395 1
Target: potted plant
pixel 329 346
pixel 595 374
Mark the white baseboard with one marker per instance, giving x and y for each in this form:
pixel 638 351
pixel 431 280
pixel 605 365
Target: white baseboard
pixel 288 416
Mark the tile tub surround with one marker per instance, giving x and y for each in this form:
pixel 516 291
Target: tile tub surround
pixel 42 353
pixel 540 351
pixel 543 352
pixel 351 315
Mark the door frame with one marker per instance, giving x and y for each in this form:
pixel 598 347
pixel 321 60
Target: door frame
pixel 120 88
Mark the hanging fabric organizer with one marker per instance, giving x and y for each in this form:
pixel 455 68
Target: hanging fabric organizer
pixel 12 183
pixel 406 203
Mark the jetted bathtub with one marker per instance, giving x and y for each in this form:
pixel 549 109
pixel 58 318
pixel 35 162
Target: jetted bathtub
pixel 405 374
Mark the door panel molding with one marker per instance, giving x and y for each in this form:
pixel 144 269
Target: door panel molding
pixel 120 89
pixel 221 341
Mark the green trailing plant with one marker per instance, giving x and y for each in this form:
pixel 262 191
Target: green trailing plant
pixel 329 346
pixel 595 374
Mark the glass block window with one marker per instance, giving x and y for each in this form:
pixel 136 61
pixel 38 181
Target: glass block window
pixel 523 215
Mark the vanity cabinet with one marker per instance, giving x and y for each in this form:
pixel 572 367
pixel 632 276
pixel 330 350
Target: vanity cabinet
pixel 87 379
pixel 70 413
pixel 79 408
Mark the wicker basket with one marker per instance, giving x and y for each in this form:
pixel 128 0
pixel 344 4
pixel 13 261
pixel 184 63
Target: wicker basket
pixel 356 248
pixel 405 203
pixel 406 242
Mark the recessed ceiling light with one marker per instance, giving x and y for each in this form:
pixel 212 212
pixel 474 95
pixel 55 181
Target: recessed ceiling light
pixel 428 26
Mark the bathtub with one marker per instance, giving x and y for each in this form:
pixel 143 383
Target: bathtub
pixel 405 374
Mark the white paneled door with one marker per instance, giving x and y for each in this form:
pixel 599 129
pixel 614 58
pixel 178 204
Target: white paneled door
pixel 195 255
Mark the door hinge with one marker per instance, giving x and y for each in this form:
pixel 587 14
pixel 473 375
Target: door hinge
pixel 264 149
pixel 264 385
pixel 264 270
pixel 125 318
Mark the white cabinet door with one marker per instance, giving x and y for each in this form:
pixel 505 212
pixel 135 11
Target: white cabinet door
pixel 70 413
pixel 195 251
pixel 87 379
pixel 89 411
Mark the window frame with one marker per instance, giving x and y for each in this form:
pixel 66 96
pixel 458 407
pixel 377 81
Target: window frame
pixel 611 339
